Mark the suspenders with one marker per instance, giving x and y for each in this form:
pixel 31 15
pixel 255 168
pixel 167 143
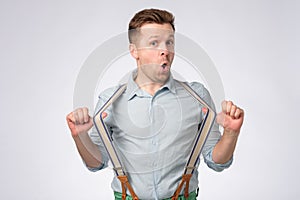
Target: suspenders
pixel 199 142
pixel 194 155
pixel 107 141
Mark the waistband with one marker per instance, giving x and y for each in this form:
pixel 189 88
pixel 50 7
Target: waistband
pixel 192 196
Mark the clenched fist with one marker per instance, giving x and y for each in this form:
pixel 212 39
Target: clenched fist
pixel 231 117
pixel 79 121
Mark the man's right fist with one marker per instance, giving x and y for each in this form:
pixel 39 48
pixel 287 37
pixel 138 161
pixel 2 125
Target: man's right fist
pixel 79 121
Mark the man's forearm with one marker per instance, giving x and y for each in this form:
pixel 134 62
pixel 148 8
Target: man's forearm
pixel 223 151
pixel 88 150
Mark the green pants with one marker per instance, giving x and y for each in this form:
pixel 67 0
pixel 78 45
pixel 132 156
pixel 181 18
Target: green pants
pixel 192 196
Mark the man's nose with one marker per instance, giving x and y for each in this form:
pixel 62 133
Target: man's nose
pixel 164 50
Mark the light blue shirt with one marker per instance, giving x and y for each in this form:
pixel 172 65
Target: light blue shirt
pixel 153 136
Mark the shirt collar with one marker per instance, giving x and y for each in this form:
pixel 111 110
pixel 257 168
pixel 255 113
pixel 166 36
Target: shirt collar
pixel 134 90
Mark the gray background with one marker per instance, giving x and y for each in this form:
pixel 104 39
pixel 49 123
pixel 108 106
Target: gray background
pixel 43 45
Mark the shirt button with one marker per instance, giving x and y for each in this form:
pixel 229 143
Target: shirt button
pixel 154 143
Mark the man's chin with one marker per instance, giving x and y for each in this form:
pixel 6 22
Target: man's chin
pixel 163 78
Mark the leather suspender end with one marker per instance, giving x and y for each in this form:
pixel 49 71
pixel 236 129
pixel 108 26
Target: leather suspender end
pixel 185 179
pixel 125 184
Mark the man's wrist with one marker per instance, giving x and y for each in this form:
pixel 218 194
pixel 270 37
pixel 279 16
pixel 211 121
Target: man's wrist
pixel 231 133
pixel 79 136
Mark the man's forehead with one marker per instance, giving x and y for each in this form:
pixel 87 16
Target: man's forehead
pixel 156 32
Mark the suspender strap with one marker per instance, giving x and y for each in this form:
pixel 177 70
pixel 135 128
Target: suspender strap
pixel 107 141
pixel 104 133
pixel 199 142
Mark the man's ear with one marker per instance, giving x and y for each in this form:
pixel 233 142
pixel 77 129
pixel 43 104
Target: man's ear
pixel 133 51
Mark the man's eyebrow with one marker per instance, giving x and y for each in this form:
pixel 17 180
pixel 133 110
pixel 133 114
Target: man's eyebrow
pixel 157 36
pixel 153 36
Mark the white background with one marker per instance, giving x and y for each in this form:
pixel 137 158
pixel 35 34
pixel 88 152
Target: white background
pixel 43 44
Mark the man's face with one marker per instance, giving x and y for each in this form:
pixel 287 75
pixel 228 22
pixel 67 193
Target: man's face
pixel 155 52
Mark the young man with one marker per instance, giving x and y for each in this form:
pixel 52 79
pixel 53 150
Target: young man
pixel 154 122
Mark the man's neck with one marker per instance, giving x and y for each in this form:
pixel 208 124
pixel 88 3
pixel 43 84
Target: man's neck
pixel 148 86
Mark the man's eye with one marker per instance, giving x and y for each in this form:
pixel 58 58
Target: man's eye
pixel 153 43
pixel 170 42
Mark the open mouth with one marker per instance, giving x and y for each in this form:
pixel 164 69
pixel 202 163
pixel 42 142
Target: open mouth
pixel 165 66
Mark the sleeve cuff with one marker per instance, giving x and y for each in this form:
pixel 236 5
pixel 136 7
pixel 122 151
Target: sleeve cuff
pixel 215 166
pixel 94 169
